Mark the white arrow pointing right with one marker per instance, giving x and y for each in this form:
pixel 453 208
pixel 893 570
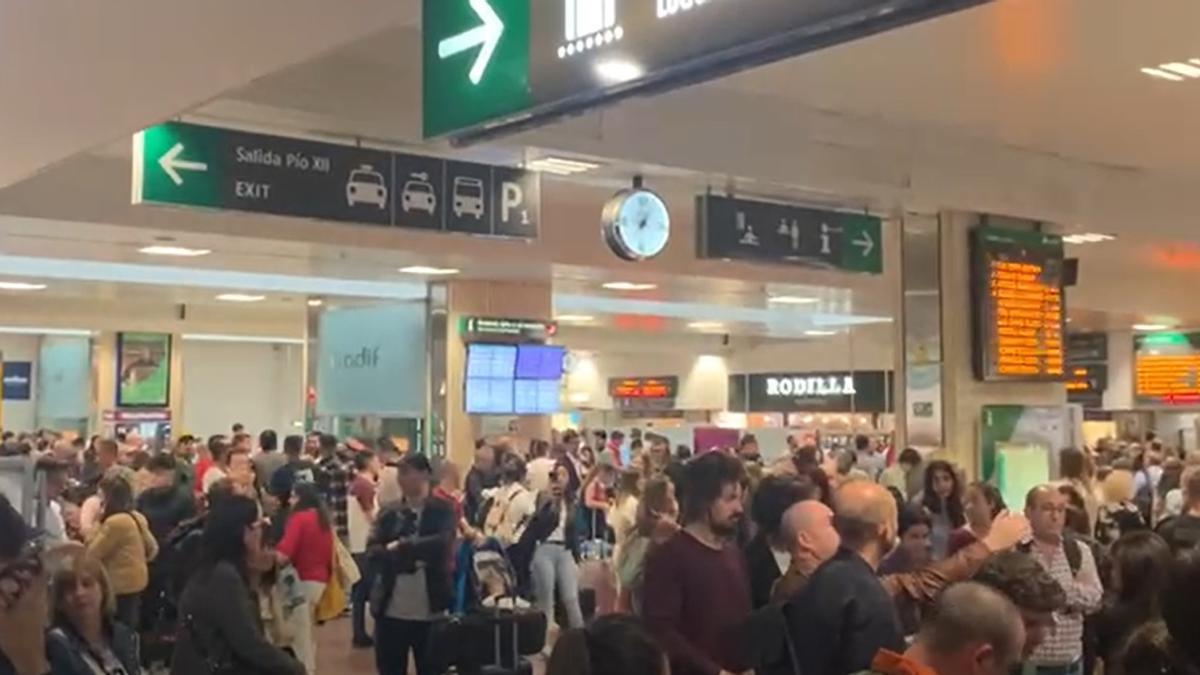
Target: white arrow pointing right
pixel 866 243
pixel 485 36
pixel 172 165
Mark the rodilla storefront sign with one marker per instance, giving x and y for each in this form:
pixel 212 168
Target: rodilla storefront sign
pixel 858 391
pixel 832 385
pixel 498 65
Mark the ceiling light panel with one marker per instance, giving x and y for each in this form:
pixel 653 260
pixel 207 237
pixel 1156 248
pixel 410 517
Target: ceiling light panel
pixel 560 166
pixel 422 270
pixel 629 286
pixel 1174 71
pixel 240 298
pixel 174 251
pixel 1087 238
pixel 21 286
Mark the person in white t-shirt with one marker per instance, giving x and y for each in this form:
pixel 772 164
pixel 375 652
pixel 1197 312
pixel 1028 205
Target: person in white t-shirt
pixel 540 467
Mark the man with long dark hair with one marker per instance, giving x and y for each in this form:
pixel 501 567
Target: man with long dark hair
pixel 696 588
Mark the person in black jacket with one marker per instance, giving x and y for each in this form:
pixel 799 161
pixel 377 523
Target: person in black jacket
pixel 84 637
pixel 844 616
pixel 768 556
pixel 409 548
pixel 221 623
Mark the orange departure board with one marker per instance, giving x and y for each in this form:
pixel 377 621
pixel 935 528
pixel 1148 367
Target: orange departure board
pixel 1019 313
pixel 1167 368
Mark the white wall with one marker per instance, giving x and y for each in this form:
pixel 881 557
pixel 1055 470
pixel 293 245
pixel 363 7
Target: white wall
pixel 21 415
pixel 259 385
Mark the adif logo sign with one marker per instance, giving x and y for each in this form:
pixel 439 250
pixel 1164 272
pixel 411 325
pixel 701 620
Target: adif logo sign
pixel 588 24
pixel 833 385
pixel 367 358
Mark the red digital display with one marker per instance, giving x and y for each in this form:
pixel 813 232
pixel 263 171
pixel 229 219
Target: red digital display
pixel 643 387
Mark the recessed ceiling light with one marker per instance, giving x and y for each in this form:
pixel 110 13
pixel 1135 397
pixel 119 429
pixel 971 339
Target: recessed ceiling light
pixel 574 318
pixel 820 333
pixel 1160 74
pixel 629 286
pixel 20 286
pixel 706 325
pixel 1087 238
pixel 560 166
pixel 429 271
pixel 315 302
pixel 174 251
pixel 791 300
pixel 241 297
pixel 616 71
pixel 1150 327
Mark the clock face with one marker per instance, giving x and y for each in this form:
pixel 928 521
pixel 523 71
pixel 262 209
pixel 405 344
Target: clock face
pixel 637 224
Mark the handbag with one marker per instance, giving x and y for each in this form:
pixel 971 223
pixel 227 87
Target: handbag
pixel 344 566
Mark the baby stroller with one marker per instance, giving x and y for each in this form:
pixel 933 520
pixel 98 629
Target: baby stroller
pixel 493 629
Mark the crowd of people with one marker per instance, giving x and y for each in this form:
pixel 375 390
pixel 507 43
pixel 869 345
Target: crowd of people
pixel 620 554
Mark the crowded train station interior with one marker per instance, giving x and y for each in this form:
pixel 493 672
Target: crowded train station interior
pixel 599 337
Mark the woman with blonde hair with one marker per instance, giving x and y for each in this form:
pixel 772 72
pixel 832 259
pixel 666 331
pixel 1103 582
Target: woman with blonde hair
pixel 1118 514
pixel 85 638
pixel 124 545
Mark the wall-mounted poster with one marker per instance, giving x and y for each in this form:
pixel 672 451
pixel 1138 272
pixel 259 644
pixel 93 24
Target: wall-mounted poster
pixel 143 370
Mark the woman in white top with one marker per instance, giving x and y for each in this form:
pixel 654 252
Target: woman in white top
pixel 623 516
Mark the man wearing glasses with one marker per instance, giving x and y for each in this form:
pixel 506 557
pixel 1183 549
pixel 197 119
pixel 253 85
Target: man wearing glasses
pixel 1071 564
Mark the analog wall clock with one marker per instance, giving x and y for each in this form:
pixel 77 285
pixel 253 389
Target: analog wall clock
pixel 636 224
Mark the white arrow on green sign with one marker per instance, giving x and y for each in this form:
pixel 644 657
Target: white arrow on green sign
pixel 172 165
pixel 486 36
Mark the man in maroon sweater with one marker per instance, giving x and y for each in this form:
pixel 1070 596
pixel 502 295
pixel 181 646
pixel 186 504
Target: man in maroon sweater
pixel 697 594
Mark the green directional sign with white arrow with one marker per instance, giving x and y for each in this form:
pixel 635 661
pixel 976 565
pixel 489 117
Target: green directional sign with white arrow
pixel 476 62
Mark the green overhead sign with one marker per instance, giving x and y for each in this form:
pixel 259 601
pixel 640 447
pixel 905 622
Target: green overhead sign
pixel 497 65
pixel 476 62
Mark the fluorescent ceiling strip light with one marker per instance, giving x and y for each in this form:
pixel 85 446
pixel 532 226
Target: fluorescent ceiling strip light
pixel 240 297
pixel 778 321
pixel 33 330
pixel 1185 69
pixel 163 275
pixel 253 339
pixel 174 251
pixel 1162 74
pixel 560 166
pixel 21 286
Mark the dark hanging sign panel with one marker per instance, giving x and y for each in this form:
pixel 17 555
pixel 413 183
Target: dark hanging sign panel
pixel 1019 316
pixel 507 329
pixel 210 167
pixel 745 229
pixel 1087 348
pixel 859 391
pixel 1086 384
pixel 492 66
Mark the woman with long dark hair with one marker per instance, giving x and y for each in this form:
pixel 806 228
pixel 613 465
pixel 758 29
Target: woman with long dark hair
pixel 554 539
pixel 85 638
pixel 124 546
pixel 1138 576
pixel 943 499
pixel 308 545
pixel 221 622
